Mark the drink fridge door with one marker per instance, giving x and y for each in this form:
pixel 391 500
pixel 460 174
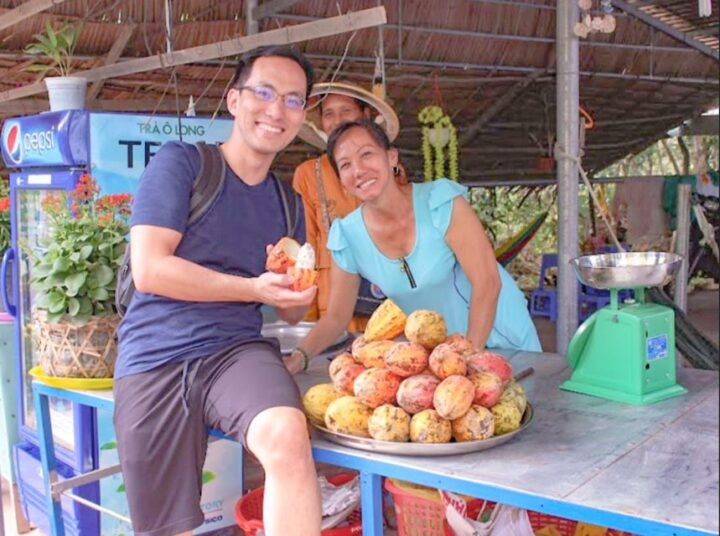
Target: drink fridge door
pixel 31 232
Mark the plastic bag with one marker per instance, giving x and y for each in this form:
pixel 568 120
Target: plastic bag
pixel 338 502
pixel 504 521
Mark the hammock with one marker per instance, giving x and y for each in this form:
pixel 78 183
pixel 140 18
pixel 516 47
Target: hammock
pixel 509 249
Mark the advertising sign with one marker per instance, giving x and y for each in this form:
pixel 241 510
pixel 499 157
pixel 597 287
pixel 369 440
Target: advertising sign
pixel 121 145
pixel 45 140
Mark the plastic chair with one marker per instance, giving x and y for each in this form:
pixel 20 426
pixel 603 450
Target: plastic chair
pixel 543 301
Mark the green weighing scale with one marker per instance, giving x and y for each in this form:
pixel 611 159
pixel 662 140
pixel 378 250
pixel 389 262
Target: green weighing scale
pixel 626 351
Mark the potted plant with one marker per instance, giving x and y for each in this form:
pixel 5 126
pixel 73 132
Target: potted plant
pixel 64 91
pixel 74 316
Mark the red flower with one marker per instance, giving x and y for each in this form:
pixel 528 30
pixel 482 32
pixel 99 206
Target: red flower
pixel 114 203
pixel 85 189
pixel 4 204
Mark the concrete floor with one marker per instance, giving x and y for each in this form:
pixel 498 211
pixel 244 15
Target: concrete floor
pixel 702 310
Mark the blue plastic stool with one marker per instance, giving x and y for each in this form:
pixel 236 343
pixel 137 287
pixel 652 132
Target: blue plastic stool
pixel 589 302
pixel 543 301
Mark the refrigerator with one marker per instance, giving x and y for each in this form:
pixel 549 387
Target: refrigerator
pixel 46 154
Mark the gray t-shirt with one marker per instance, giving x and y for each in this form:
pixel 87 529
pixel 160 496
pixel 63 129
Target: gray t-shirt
pixel 230 237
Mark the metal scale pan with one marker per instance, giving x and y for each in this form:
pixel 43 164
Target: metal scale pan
pixel 627 270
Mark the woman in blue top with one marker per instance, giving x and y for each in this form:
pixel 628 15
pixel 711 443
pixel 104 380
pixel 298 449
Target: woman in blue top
pixel 422 244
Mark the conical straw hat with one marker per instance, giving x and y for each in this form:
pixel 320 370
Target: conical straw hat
pixel 311 131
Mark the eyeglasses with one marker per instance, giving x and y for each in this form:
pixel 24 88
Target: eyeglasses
pixel 292 101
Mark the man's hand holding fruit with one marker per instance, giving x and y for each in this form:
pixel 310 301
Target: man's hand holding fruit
pixel 289 283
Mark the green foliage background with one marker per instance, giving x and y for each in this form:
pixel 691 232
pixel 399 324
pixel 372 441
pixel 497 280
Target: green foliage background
pixel 505 211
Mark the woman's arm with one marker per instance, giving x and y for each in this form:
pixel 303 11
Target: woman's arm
pixel 304 184
pixel 343 295
pixel 466 237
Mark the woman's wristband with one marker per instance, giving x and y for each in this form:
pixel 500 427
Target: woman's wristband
pixel 305 356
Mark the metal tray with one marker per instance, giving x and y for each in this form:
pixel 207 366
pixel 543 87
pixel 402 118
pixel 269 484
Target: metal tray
pixel 290 336
pixel 424 449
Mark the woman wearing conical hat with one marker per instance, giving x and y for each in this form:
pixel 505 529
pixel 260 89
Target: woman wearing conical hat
pixel 323 195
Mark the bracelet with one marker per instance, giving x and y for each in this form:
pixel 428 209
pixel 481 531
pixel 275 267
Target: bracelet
pixel 305 356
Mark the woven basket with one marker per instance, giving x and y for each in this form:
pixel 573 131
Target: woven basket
pixel 69 351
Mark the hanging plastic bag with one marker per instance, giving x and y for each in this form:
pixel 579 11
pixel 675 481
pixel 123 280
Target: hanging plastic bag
pixel 338 501
pixel 504 521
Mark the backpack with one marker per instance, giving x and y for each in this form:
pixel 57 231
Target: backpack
pixel 206 187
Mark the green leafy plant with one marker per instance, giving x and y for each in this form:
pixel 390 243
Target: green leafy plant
pixel 57 45
pixel 75 276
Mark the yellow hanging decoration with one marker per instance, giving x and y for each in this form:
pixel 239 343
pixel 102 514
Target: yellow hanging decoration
pixel 438 132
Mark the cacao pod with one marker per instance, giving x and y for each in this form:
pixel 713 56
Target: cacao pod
pixel 386 322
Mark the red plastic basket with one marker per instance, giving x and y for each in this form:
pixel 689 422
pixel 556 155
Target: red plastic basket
pixel 416 515
pixel 566 527
pixel 249 511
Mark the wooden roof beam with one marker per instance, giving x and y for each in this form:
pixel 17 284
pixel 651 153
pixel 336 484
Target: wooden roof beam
pixel 34 106
pixel 350 22
pixel 498 106
pixel 25 10
pixel 271 7
pixel 666 28
pixel 112 57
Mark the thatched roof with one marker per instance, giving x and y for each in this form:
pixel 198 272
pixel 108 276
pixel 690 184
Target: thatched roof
pixel 637 82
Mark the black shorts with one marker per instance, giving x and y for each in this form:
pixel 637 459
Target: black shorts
pixel 162 418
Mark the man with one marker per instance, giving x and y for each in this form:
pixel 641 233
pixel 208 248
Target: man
pixel 191 356
pixel 323 196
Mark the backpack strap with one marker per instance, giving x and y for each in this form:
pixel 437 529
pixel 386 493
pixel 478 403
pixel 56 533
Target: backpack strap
pixel 290 205
pixel 208 182
pixel 207 185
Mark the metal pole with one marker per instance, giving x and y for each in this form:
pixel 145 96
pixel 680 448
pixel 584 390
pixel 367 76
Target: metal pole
pixel 495 67
pixel 251 24
pixel 400 32
pixel 682 244
pixel 566 155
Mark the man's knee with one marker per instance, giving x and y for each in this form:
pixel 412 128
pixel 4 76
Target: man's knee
pixel 277 435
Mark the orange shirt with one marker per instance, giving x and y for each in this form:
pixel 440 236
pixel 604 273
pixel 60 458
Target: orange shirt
pixel 340 204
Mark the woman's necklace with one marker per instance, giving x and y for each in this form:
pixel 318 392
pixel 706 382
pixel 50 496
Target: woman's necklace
pixel 402 260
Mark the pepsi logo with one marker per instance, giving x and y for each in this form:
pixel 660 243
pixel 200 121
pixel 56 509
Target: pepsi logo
pixel 13 143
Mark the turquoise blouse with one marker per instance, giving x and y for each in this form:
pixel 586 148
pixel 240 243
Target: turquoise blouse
pixel 438 280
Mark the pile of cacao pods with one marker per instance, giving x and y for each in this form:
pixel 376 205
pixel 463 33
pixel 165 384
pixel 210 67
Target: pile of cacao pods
pixel 429 388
